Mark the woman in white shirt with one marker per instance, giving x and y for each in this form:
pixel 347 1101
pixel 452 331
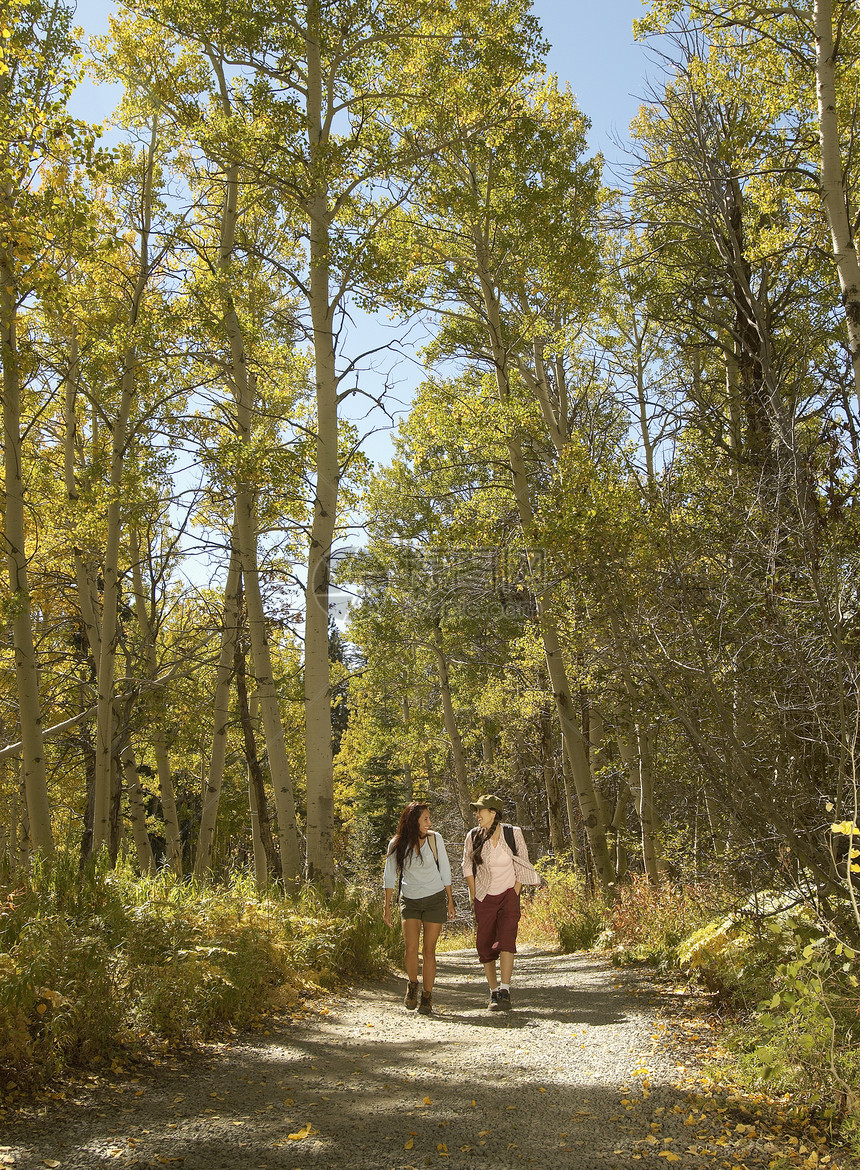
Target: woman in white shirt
pixel 496 866
pixel 418 867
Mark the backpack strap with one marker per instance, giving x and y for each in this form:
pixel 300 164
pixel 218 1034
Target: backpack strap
pixel 510 838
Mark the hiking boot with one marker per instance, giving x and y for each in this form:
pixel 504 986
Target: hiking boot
pixel 504 999
pixel 411 999
pixel 426 1004
pixel 494 1004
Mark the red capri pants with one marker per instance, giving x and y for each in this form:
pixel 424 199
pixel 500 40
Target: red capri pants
pixel 497 917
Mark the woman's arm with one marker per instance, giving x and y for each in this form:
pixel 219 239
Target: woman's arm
pixel 452 909
pixel 389 880
pixel 444 863
pixel 527 875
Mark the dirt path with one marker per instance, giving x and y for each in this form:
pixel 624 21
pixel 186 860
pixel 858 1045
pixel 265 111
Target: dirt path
pixel 585 1073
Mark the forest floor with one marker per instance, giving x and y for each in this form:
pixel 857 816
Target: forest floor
pixel 593 1069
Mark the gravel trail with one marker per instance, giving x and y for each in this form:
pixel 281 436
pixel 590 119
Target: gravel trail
pixel 585 1073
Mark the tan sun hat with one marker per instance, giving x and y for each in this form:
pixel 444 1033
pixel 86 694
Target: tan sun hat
pixel 488 801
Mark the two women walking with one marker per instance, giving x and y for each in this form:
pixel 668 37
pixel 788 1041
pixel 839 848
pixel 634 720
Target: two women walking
pixel 496 867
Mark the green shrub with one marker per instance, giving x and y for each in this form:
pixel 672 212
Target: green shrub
pixel 563 909
pixel 93 957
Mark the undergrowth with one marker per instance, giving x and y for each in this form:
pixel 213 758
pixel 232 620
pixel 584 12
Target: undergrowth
pixel 784 979
pixel 94 960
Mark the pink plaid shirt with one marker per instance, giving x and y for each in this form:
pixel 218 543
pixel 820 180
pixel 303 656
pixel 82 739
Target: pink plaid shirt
pixel 524 871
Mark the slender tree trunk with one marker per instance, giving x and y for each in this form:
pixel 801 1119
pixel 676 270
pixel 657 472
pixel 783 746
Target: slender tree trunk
pixel 264 684
pixel 137 815
pixel 488 743
pixel 572 820
pixel 461 775
pixel 574 741
pixel 84 577
pixel 835 195
pixel 110 571
pixel 619 821
pixel 592 731
pixel 245 534
pixel 26 664
pixel 318 725
pixel 553 794
pixel 14 824
pixel 221 721
pixel 575 745
pixel 25 842
pixel 5 839
pixel 256 781
pixel 261 872
pixel 640 783
pixel 148 634
pixel 115 828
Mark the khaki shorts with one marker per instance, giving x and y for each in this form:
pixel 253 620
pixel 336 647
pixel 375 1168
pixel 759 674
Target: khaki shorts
pixel 433 908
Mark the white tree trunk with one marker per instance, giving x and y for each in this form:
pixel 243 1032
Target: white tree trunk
pixel 110 572
pixel 449 715
pixel 317 680
pixel 261 868
pixel 640 782
pixel 173 838
pixel 574 742
pixel 137 815
pixel 26 665
pixel 245 532
pixel 551 787
pixel 835 194
pixel 264 683
pixel 84 577
pixel 221 720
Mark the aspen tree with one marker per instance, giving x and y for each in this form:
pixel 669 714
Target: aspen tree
pixel 347 100
pixel 111 571
pixel 38 69
pixel 501 209
pixel 806 56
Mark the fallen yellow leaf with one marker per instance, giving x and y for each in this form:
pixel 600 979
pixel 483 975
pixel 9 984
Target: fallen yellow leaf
pixel 408 1145
pixel 427 1101
pixel 301 1134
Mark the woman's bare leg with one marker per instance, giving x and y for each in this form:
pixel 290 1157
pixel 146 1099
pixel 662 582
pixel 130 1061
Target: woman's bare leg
pixel 432 930
pixel 490 972
pixel 411 938
pixel 506 966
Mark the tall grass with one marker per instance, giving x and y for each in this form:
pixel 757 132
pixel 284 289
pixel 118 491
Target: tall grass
pixel 644 923
pixel 94 959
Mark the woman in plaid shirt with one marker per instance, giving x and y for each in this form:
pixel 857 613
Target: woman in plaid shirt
pixel 496 866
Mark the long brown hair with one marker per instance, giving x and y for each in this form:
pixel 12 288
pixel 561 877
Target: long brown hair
pixel 407 837
pixel 480 837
